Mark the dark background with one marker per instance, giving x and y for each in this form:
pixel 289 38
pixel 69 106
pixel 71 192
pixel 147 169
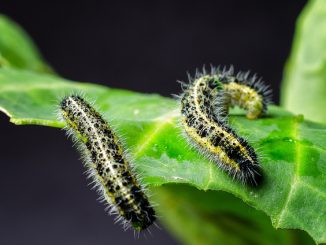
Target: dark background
pixel 44 197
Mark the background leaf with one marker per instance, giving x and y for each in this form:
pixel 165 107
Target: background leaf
pixel 16 48
pixel 304 86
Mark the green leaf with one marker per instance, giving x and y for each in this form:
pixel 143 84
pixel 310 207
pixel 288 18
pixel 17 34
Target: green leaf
pixel 304 86
pixel 216 217
pixel 293 151
pixel 16 48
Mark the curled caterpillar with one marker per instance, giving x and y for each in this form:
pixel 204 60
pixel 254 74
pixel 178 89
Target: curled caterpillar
pixel 242 90
pixel 107 164
pixel 204 104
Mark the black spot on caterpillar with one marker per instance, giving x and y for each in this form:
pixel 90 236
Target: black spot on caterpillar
pixel 204 105
pixel 107 163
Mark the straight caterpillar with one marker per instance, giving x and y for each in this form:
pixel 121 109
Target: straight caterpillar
pixel 107 164
pixel 204 106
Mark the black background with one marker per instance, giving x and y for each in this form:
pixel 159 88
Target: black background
pixel 142 46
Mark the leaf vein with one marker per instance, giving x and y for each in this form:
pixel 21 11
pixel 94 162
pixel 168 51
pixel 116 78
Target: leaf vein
pixel 156 128
pixel 295 178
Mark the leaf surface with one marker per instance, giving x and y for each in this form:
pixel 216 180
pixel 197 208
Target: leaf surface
pixel 292 151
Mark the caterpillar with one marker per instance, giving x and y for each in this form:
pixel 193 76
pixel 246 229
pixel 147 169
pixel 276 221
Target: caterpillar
pixel 107 163
pixel 204 105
